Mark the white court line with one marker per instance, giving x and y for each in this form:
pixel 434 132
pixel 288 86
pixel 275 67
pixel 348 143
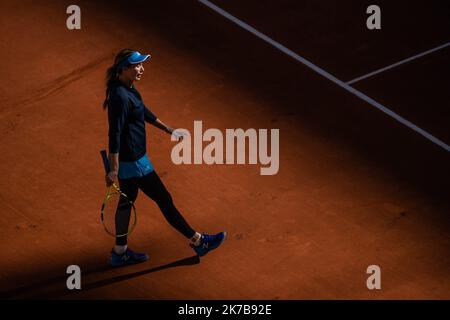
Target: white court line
pixel 398 63
pixel 327 75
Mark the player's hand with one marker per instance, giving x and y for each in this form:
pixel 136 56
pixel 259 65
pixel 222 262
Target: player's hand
pixel 110 178
pixel 178 135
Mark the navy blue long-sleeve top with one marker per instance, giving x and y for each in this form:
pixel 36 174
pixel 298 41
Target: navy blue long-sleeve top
pixel 127 115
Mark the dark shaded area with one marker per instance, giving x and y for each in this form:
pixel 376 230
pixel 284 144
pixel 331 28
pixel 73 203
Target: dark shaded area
pixel 30 291
pixel 333 34
pixel 418 91
pixel 10 294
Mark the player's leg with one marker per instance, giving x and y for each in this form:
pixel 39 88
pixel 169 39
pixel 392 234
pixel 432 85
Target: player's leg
pixel 121 255
pixel 154 188
pixel 122 218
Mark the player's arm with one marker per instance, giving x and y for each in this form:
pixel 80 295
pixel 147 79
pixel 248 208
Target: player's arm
pixel 117 115
pixel 153 120
pixel 161 125
pixel 149 117
pixel 111 176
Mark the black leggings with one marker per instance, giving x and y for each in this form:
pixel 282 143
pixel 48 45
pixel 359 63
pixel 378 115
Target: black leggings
pixel 153 187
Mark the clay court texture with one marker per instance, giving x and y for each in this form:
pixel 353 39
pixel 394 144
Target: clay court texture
pixel 355 187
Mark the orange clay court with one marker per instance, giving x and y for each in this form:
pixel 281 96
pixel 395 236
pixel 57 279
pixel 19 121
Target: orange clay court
pixel 355 187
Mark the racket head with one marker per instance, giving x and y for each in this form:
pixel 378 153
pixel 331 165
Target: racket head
pixel 118 210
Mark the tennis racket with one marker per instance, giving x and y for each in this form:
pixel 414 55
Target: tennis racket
pixel 118 214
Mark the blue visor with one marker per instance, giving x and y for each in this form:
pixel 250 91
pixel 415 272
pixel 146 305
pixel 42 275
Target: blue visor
pixel 134 58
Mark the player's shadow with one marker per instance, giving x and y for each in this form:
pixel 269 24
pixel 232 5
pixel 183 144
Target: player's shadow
pixel 183 262
pixel 15 293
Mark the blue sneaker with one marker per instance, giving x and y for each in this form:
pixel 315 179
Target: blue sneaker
pixel 127 258
pixel 209 242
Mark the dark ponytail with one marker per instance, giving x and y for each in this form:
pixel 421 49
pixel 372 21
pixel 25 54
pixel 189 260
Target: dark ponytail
pixel 113 72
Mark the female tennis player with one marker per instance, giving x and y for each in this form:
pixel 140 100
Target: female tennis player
pixel 128 158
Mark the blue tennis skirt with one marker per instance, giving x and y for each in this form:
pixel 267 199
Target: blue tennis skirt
pixel 135 169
